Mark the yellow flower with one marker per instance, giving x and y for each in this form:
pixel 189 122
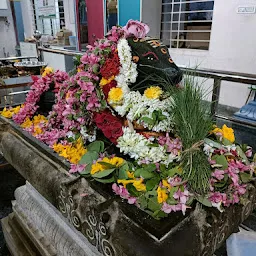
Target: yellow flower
pixel 130 175
pixel 8 113
pixel 105 81
pixel 47 71
pixel 153 92
pixel 138 184
pixel 161 195
pixel 39 119
pixel 98 167
pixel 72 152
pixel 27 123
pixel 117 161
pixel 166 184
pixel 37 131
pixel 115 95
pixel 228 133
pixel 79 70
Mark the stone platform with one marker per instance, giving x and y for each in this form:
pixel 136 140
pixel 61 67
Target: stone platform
pixel 93 216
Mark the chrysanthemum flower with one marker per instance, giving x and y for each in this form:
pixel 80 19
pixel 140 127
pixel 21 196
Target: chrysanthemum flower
pixel 153 92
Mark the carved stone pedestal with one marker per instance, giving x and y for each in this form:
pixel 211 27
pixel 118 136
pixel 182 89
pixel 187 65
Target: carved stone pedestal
pixel 36 228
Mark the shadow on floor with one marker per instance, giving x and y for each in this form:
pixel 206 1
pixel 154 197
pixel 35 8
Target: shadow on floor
pixel 10 179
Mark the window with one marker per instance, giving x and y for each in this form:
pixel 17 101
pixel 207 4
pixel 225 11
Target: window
pixel 187 23
pixel 49 26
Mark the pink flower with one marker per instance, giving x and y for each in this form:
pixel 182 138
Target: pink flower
pixel 77 168
pixel 175 181
pixel 181 196
pixel 135 28
pixel 174 146
pixel 248 152
pixel 174 208
pixel 218 174
pixel 123 193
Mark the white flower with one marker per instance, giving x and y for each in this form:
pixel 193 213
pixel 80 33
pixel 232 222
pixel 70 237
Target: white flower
pixel 70 134
pixel 86 136
pixel 128 71
pixel 139 148
pixel 208 149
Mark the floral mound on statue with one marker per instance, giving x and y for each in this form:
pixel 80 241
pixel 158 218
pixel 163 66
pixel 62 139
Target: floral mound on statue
pixel 122 119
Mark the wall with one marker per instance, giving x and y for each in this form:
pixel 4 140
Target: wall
pixel 27 15
pixel 151 15
pixel 7 38
pixel 69 9
pixel 128 10
pixel 232 48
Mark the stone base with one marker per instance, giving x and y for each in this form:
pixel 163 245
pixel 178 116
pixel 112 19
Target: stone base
pixel 36 228
pixel 17 240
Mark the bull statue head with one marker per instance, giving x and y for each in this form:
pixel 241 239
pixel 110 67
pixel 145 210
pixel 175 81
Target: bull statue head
pixel 153 62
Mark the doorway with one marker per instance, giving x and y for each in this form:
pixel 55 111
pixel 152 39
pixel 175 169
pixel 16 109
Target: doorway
pixel 111 14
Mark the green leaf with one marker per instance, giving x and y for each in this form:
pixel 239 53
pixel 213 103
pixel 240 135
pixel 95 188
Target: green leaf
pixel 212 143
pixel 226 142
pixel 89 157
pixel 132 190
pixel 122 174
pixel 172 192
pixel 221 160
pixel 61 94
pixel 245 177
pixel 153 204
pixel 171 201
pixel 150 184
pixel 173 171
pixel 204 201
pixel 110 180
pixel 147 120
pixel 242 154
pixel 143 202
pixel 107 165
pixel 86 170
pixel 162 167
pixel 97 146
pixel 146 173
pixel 159 214
pixel 154 115
pixel 190 200
pixel 102 174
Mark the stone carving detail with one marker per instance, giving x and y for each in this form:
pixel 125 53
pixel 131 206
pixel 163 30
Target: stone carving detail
pixel 79 203
pixel 97 233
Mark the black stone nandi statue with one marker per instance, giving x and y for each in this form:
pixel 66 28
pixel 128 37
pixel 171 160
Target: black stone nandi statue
pixel 154 63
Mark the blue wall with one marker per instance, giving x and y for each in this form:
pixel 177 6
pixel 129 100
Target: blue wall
pixel 128 9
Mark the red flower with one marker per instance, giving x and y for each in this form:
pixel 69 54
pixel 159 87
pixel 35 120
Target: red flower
pixel 110 125
pixel 106 88
pixel 111 66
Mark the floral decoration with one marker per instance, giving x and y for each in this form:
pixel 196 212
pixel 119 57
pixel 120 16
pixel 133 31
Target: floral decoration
pixel 142 155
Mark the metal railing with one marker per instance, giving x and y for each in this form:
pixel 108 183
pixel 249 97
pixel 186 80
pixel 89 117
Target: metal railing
pixel 217 75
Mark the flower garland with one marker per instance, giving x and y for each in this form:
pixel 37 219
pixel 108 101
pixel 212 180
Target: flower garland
pixel 39 86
